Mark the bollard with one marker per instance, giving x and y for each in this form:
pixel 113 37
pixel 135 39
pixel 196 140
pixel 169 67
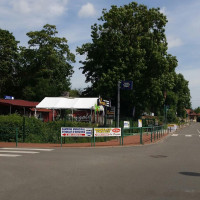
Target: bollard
pixel 16 137
pixel 141 135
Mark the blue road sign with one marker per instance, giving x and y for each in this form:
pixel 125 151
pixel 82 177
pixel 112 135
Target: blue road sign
pixel 126 85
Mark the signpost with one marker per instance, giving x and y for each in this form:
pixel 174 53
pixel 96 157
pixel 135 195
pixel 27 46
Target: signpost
pixel 123 85
pixel 126 85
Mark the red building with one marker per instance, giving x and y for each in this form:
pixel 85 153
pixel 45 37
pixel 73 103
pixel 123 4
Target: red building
pixel 191 115
pixel 25 108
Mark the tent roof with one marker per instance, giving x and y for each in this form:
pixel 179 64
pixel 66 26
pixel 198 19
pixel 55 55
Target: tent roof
pixel 67 103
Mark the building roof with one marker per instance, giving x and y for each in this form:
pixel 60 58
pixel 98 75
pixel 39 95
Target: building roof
pixel 18 102
pixel 191 112
pixel 68 103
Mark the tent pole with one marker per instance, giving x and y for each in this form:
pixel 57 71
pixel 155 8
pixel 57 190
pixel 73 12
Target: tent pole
pixel 53 114
pixel 91 115
pixel 72 115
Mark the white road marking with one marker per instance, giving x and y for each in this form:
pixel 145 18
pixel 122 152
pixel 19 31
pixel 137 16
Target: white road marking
pixel 175 135
pixel 26 149
pixel 188 135
pixel 198 131
pixel 9 155
pixel 5 151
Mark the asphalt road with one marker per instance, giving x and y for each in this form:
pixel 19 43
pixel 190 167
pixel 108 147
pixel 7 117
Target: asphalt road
pixel 166 170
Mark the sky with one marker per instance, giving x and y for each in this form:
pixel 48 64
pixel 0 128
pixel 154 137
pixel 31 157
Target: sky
pixel 74 18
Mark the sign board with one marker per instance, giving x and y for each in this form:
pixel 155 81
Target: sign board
pixel 110 112
pixel 102 102
pixel 126 124
pixel 107 132
pixel 139 123
pixel 76 132
pixel 126 85
pixel 9 97
pixel 172 126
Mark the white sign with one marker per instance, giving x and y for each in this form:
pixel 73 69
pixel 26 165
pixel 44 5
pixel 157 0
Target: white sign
pixel 76 132
pixel 126 124
pixel 139 123
pixel 107 132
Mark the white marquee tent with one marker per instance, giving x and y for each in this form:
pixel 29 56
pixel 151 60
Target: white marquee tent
pixel 68 103
pixel 58 103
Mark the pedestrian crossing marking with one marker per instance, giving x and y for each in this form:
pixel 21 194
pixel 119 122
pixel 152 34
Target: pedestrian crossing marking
pixel 5 151
pixel 9 155
pixel 188 135
pixel 175 135
pixel 15 152
pixel 27 149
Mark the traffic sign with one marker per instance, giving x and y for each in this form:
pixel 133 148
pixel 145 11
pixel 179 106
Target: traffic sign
pixel 126 85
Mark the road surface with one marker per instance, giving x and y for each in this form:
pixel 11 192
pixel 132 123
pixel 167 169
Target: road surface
pixel 169 169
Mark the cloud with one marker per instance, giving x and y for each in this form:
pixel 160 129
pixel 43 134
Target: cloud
pixel 39 7
pixel 163 10
pixel 23 14
pixel 174 42
pixel 87 10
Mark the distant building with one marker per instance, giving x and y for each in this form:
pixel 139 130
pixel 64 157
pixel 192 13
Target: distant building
pixel 191 115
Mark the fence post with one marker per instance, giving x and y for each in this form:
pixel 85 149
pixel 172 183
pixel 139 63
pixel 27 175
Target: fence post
pixel 151 133
pixel 141 135
pixel 16 137
pixel 157 133
pixel 122 136
pixel 94 137
pixel 24 128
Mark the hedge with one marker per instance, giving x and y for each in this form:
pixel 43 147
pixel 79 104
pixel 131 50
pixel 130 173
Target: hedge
pixel 35 131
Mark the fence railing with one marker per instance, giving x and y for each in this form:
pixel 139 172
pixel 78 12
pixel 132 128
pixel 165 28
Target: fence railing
pixel 145 134
pixel 142 135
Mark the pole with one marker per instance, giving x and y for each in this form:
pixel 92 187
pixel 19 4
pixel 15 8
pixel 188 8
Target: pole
pixel 118 103
pixel 16 137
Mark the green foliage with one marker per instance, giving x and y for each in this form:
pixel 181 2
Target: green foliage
pixel 129 43
pixel 8 63
pixel 171 116
pixel 35 130
pixel 197 110
pixel 46 65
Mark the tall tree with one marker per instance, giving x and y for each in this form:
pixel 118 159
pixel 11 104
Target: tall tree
pixel 130 44
pixel 46 64
pixel 8 63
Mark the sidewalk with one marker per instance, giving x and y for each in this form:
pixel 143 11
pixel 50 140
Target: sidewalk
pixel 128 141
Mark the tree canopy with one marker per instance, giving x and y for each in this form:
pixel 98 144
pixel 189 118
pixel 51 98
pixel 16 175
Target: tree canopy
pixel 46 64
pixel 129 43
pixel 8 63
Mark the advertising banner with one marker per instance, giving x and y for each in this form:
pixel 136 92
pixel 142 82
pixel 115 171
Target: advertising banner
pixel 76 132
pixel 107 132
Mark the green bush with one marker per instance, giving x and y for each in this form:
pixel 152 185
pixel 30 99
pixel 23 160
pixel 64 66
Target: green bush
pixel 35 131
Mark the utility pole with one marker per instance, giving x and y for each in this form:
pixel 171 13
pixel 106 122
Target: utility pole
pixel 118 103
